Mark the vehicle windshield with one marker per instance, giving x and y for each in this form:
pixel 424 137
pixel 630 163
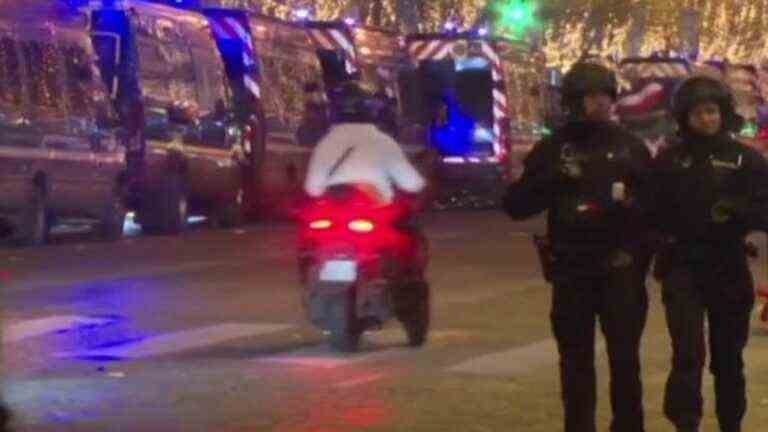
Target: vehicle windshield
pixel 467 84
pixel 454 97
pixel 474 93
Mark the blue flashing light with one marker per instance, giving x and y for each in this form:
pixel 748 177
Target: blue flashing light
pixel 482 134
pixel 456 137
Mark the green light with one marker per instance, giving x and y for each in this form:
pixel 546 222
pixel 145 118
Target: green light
pixel 749 130
pixel 515 17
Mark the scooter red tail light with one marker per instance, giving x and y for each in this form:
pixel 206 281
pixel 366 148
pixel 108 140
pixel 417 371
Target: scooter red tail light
pixel 361 226
pixel 320 224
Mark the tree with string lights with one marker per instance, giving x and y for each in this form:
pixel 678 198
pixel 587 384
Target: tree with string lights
pixel 728 28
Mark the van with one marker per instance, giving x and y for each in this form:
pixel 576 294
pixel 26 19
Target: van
pixel 184 146
pixel 58 156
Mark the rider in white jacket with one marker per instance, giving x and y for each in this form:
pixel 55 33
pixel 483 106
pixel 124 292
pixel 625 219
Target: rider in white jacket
pixel 355 151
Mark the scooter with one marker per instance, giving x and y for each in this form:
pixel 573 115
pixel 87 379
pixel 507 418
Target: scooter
pixel 360 266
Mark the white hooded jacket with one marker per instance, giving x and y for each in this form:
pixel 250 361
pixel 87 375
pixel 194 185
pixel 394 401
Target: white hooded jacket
pixel 374 159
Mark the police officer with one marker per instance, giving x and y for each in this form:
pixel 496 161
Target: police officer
pixel 712 190
pixel 591 176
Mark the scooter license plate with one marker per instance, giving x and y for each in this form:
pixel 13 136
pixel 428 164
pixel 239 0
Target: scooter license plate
pixel 338 271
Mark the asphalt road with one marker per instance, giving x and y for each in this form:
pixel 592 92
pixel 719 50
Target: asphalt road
pixel 204 332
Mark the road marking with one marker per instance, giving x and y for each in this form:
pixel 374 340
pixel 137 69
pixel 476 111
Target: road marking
pixel 180 341
pixel 324 357
pixel 18 331
pixel 516 361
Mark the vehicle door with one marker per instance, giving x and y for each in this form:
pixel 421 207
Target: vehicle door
pixel 21 154
pixel 215 157
pixel 166 78
pixel 88 107
pixel 284 58
pixel 69 174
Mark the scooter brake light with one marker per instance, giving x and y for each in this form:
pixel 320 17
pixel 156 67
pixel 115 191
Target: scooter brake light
pixel 320 224
pixel 361 226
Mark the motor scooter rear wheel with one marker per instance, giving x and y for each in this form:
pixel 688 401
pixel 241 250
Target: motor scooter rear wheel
pixel 345 330
pixel 413 311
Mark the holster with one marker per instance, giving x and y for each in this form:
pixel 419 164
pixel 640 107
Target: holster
pixel 546 257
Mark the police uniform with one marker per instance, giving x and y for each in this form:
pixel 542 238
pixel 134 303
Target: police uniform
pixel 598 256
pixel 712 190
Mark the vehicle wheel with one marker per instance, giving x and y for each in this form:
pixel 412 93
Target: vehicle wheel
pixel 168 208
pixel 113 220
pixel 33 229
pixel 344 330
pixel 412 309
pixel 231 213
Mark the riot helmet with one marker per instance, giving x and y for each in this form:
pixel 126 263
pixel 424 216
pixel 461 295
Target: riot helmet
pixel 351 104
pixel 584 79
pixel 701 89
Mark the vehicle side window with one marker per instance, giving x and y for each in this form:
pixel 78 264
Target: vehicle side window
pixel 213 133
pixel 288 77
pixel 44 68
pixel 156 124
pixel 167 71
pixel 212 81
pixel 273 104
pixel 10 73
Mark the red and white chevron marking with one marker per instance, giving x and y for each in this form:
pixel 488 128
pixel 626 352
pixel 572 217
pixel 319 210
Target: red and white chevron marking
pixel 430 50
pixel 655 70
pixel 235 28
pixel 335 39
pixel 500 103
pixel 643 101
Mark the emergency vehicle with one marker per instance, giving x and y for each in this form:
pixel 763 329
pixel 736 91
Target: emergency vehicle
pixel 748 84
pixel 646 88
pixel 384 64
pixel 648 83
pixel 59 156
pixel 289 68
pixel 300 62
pixel 473 95
pixel 185 152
